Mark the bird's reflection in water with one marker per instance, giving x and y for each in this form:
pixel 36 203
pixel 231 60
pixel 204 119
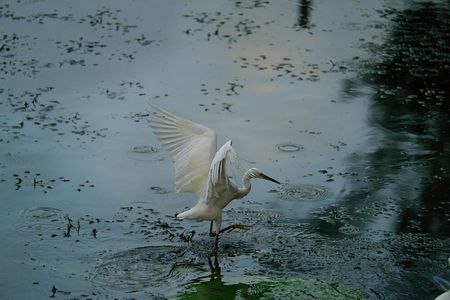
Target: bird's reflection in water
pixel 213 286
pixel 213 263
pixel 215 269
pixel 304 14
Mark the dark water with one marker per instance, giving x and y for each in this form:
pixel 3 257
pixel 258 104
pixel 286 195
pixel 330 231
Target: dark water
pixel 344 102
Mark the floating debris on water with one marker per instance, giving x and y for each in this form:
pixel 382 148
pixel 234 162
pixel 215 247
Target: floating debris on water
pixel 145 149
pixel 303 192
pixel 159 190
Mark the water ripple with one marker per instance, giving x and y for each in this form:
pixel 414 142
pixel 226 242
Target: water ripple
pixel 303 192
pixel 40 218
pixel 145 153
pixel 148 268
pixel 289 147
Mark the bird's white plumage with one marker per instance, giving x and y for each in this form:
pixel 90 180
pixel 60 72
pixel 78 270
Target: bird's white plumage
pixel 219 175
pixel 199 168
pixel 192 146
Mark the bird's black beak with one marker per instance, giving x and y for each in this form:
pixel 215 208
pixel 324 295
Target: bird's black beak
pixel 263 176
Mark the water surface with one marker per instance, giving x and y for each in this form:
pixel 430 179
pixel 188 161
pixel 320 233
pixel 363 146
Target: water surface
pixel 344 102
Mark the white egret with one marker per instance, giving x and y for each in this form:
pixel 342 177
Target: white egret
pixel 201 169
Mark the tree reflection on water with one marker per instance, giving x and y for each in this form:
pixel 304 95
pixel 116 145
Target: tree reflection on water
pixel 403 181
pixel 304 14
pixel 406 170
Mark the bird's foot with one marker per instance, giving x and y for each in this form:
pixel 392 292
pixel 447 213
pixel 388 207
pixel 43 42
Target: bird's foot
pixel 235 226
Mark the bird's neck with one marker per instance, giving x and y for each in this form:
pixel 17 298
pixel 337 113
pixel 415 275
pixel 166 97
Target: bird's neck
pixel 245 189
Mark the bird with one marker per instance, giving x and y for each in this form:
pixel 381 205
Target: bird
pixel 202 169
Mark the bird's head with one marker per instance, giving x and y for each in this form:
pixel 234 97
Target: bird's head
pixel 257 173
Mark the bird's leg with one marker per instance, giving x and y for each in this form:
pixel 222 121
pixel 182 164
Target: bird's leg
pixel 216 244
pixel 235 226
pixel 211 234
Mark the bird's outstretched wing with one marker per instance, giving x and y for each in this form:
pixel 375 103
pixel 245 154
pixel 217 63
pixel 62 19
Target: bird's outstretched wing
pixel 219 173
pixel 192 146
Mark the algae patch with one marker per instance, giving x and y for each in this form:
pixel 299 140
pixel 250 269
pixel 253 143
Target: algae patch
pixel 296 288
